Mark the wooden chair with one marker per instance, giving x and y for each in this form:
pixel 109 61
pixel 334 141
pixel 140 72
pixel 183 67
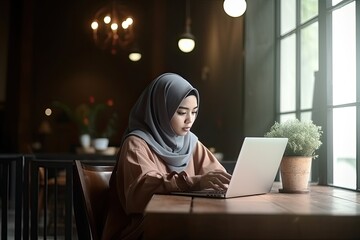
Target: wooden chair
pixel 91 185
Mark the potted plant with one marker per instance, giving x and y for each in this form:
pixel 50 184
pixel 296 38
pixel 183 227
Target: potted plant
pixel 102 135
pixel 97 122
pixel 303 141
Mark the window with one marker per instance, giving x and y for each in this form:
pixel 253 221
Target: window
pixel 343 104
pixel 298 58
pixel 307 41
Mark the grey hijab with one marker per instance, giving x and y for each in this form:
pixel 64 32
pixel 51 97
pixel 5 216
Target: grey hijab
pixel 150 120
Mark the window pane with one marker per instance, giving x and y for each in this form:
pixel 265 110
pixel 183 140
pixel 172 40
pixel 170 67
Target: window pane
pixel 288 15
pixel 287 74
pixel 309 64
pixel 309 9
pixel 334 2
pixel 306 116
pixel 344 147
pixel 285 117
pixel 344 49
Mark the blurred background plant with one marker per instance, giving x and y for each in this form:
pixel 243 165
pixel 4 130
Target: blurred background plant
pixel 96 119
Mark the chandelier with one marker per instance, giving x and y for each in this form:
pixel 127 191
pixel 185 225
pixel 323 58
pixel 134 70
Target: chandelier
pixel 113 28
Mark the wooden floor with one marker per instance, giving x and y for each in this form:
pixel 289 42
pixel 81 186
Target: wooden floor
pixel 323 213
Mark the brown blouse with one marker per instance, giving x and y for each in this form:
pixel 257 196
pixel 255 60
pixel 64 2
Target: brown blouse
pixel 140 173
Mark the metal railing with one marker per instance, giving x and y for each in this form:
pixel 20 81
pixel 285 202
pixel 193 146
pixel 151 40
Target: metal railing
pixel 14 165
pixel 38 192
pixel 59 212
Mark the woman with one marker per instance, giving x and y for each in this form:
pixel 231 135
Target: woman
pixel 159 154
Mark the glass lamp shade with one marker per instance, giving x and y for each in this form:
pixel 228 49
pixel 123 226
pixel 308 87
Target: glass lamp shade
pixel 234 8
pixel 135 56
pixel 186 43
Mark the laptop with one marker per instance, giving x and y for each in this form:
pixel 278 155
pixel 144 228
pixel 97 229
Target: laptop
pixel 255 169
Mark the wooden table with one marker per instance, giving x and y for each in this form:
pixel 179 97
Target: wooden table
pixel 324 213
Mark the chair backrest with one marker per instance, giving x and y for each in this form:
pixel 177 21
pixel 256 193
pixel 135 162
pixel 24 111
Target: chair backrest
pixel 91 186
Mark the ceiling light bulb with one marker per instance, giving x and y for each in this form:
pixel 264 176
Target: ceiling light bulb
pixel 94 25
pixel 107 19
pixel 186 44
pixel 114 26
pixel 234 8
pixel 135 56
pixel 124 24
pixel 129 21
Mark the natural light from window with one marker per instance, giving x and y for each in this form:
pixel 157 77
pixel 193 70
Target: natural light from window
pixel 309 64
pixel 288 74
pixel 344 58
pixel 288 15
pixel 309 9
pixel 344 92
pixel 344 147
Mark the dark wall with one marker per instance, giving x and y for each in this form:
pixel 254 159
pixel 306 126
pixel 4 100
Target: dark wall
pixel 260 84
pixel 69 68
pixel 4 32
pixel 55 59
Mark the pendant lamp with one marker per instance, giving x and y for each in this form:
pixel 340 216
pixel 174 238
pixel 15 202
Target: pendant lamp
pixel 234 8
pixel 135 54
pixel 187 40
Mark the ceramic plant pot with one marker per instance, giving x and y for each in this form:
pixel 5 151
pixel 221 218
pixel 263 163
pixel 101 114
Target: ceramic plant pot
pixel 85 140
pixel 100 144
pixel 295 174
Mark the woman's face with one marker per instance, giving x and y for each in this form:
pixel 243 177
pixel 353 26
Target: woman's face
pixel 185 115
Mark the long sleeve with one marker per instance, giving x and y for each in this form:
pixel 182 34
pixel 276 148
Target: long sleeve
pixel 141 173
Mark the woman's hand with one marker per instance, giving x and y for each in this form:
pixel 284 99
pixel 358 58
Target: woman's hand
pixel 217 180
